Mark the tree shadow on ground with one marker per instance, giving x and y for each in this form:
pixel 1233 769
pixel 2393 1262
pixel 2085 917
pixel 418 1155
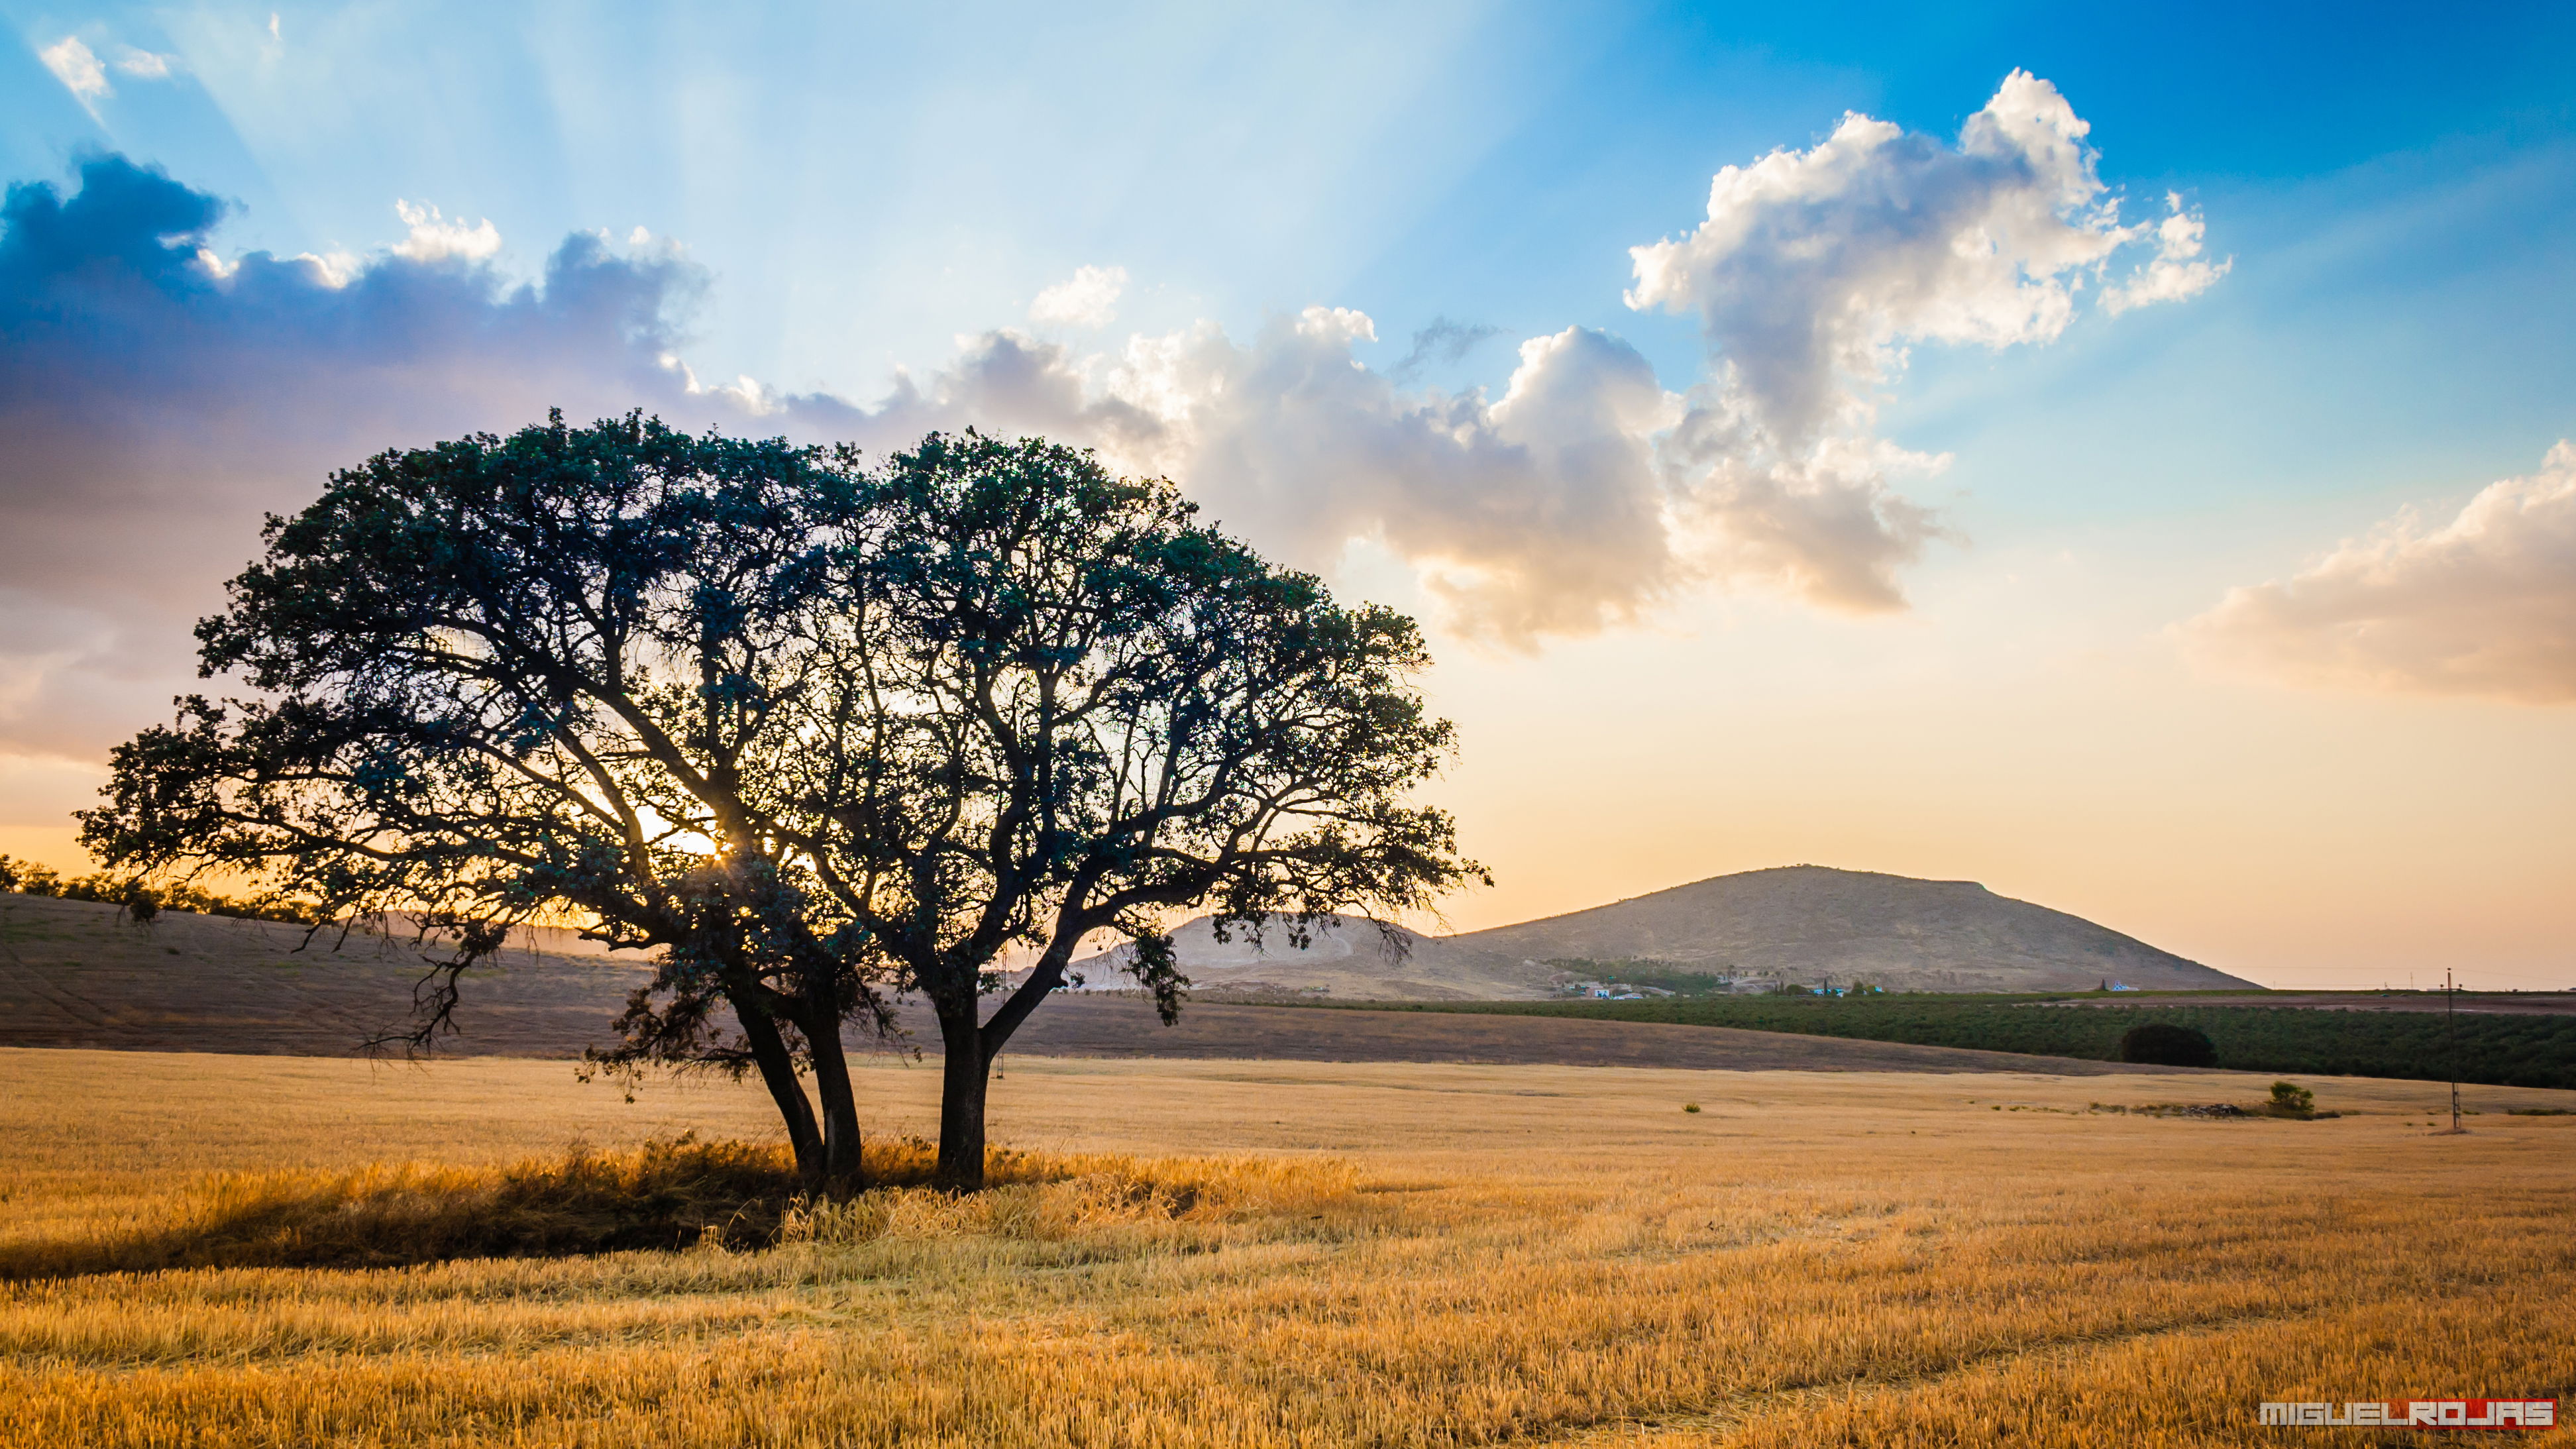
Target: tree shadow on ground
pixel 683 1193
pixel 666 1194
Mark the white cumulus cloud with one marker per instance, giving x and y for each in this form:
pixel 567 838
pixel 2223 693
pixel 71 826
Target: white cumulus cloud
pixel 143 64
pixel 1088 298
pixel 433 238
pixel 2177 271
pixel 1538 513
pixel 77 67
pixel 1814 266
pixel 1588 493
pixel 159 396
pixel 1815 271
pixel 157 399
pixel 2482 605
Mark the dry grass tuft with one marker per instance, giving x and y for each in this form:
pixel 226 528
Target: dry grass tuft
pixel 1052 1199
pixel 667 1194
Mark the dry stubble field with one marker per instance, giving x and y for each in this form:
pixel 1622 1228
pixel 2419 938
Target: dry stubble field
pixel 1259 1253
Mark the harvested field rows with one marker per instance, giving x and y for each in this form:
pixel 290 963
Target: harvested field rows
pixel 1382 1254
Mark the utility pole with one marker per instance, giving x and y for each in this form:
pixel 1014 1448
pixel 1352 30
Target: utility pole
pixel 2451 1042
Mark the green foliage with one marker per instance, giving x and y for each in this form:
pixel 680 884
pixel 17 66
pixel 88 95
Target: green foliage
pixel 2167 1044
pixel 2291 1099
pixel 2504 1050
pixel 1102 711
pixel 502 681
pixel 1663 975
pixel 811 732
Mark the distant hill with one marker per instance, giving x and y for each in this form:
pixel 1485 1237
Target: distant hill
pixel 1342 957
pixel 1800 924
pixel 1804 923
pixel 74 973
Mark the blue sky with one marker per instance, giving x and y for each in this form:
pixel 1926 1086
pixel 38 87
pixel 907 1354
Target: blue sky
pixel 866 184
pixel 865 187
pixel 833 193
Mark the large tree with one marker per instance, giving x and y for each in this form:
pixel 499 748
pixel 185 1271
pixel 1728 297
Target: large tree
pixel 1078 711
pixel 815 733
pixel 544 678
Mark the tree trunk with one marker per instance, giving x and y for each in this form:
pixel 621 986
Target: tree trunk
pixel 842 1164
pixel 970 1050
pixel 778 1073
pixel 961 1098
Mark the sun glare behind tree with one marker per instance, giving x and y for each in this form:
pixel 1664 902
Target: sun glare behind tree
pixel 812 735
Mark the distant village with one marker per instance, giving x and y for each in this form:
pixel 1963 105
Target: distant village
pixel 1643 980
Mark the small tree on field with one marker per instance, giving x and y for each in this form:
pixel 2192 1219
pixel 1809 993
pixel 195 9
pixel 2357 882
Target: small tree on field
pixel 816 733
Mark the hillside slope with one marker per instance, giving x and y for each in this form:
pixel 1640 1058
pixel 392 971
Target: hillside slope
pixel 76 974
pixel 1342 957
pixel 72 973
pixel 1807 923
pixel 1796 924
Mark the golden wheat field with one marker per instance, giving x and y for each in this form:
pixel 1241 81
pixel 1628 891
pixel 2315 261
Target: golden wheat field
pixel 1212 1253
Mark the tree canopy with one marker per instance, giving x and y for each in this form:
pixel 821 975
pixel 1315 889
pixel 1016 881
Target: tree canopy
pixel 1084 711
pixel 815 735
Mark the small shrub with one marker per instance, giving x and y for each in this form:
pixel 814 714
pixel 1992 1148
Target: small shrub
pixel 139 902
pixel 1690 1106
pixel 2289 1099
pixel 28 877
pixel 2165 1044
